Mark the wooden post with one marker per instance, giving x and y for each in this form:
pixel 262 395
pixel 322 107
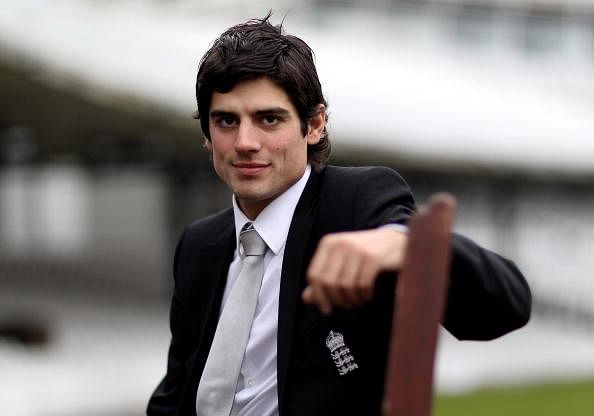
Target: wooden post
pixel 419 306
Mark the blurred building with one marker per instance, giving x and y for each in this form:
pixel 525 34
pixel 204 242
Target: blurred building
pixel 101 164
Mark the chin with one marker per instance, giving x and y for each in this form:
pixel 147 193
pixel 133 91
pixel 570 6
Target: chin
pixel 251 195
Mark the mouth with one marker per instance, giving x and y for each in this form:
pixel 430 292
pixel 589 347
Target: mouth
pixel 250 168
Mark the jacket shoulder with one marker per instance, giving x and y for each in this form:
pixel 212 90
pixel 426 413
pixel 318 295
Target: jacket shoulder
pixel 360 172
pixel 368 182
pixel 364 197
pixel 210 227
pixel 364 179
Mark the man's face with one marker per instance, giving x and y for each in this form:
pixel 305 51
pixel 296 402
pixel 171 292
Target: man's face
pixel 256 142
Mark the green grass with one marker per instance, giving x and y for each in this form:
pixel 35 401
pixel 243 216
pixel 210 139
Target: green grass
pixel 567 399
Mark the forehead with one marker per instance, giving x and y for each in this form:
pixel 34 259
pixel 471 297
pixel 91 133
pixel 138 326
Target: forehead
pixel 251 95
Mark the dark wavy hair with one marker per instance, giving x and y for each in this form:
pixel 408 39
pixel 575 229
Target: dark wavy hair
pixel 256 49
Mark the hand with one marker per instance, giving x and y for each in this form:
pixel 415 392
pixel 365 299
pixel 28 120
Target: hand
pixel 345 266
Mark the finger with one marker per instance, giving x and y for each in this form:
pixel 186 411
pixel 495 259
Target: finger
pixel 319 259
pixel 347 285
pixel 368 272
pixel 323 272
pixel 315 296
pixel 331 280
pixel 308 295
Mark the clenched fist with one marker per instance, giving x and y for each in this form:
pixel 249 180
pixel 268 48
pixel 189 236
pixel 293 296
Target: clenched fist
pixel 345 266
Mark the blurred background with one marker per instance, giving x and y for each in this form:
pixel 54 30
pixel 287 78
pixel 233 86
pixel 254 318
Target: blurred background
pixel 101 166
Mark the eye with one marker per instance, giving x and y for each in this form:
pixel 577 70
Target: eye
pixel 226 121
pixel 270 120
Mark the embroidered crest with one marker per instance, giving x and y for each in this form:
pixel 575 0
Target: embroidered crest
pixel 340 353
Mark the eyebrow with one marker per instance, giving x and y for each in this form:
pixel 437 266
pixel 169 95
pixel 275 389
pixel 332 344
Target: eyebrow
pixel 221 113
pixel 278 111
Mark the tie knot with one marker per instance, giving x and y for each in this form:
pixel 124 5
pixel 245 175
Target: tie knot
pixel 251 242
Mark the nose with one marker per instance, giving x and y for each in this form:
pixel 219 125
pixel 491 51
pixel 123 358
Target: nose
pixel 247 139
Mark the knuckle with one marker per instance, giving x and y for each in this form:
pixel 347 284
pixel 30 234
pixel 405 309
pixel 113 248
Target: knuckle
pixel 312 277
pixel 363 285
pixel 325 283
pixel 344 285
pixel 373 262
pixel 335 242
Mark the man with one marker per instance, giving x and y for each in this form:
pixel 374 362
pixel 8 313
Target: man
pixel 331 238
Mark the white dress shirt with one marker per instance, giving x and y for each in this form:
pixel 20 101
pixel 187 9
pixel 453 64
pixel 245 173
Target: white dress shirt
pixel 257 393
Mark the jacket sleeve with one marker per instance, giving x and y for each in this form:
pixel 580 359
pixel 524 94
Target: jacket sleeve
pixel 488 295
pixel 165 399
pixel 383 197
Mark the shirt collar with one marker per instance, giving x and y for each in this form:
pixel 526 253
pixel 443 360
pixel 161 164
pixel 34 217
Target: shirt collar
pixel 274 221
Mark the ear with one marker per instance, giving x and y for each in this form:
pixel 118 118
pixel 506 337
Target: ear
pixel 316 125
pixel 207 144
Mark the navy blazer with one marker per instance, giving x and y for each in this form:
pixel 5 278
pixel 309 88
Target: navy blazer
pixel 488 297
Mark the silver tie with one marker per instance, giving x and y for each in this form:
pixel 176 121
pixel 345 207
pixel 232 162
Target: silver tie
pixel 216 390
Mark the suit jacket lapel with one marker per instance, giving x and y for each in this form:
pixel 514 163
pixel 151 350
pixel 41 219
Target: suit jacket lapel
pixel 214 259
pixel 292 276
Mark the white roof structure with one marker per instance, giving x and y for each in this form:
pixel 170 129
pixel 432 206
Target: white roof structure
pixel 531 3
pixel 390 90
